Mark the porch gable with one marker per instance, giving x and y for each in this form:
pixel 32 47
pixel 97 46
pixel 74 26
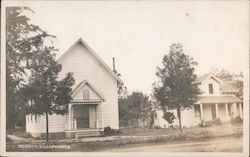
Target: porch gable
pixel 86 91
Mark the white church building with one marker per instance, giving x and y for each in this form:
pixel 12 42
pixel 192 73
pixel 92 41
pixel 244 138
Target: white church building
pixel 95 99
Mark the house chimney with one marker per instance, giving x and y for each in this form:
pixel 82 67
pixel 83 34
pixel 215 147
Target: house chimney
pixel 114 65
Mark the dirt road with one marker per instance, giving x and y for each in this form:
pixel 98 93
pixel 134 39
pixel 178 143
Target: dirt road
pixel 218 145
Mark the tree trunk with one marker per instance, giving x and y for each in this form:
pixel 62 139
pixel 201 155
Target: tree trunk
pixel 10 113
pixel 47 127
pixel 179 117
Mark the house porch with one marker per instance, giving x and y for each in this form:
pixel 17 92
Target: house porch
pixel 223 108
pixel 85 118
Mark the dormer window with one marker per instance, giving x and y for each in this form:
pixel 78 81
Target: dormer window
pixel 210 87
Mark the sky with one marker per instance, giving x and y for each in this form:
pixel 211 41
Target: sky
pixel 138 33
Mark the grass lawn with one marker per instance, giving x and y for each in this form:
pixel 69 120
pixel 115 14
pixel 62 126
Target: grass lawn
pixel 138 136
pixel 225 129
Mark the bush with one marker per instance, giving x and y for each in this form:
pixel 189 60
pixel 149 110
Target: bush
pixel 158 127
pixel 216 121
pixel 236 120
pixel 210 123
pixel 109 132
pixel 203 124
pixel 169 117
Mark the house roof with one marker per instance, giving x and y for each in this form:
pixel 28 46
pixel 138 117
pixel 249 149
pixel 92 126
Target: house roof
pixel 224 86
pixel 81 42
pixel 218 99
pixel 83 83
pixel 203 78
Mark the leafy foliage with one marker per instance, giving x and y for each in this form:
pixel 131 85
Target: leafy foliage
pixel 22 40
pixel 169 117
pixel 135 110
pixel 176 88
pixel 32 71
pixel 123 112
pixel 234 79
pixel 108 131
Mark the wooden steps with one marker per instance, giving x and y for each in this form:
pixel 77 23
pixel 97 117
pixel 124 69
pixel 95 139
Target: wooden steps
pixel 87 133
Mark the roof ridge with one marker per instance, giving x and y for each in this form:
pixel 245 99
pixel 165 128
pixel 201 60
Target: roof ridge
pixel 94 54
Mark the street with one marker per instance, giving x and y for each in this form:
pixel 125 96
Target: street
pixel 218 145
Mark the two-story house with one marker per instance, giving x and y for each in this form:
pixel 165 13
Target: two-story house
pixel 216 100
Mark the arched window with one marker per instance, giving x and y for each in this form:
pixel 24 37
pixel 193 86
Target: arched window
pixel 85 94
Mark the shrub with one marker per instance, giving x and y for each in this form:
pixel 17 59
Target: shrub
pixel 216 121
pixel 173 126
pixel 109 132
pixel 157 127
pixel 169 117
pixel 236 120
pixel 203 124
pixel 210 123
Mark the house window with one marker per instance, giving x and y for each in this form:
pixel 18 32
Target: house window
pixel 210 87
pixel 197 110
pixel 85 94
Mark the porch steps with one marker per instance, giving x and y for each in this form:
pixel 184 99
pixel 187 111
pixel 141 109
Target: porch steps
pixel 87 133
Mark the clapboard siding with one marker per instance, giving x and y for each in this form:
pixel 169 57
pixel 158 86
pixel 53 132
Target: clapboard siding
pixel 38 125
pixel 188 118
pixel 92 94
pixel 204 87
pixel 85 66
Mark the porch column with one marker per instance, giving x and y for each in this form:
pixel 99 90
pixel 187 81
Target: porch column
pixel 201 107
pixel 217 111
pixel 241 113
pixel 102 123
pixel 69 117
pixel 227 114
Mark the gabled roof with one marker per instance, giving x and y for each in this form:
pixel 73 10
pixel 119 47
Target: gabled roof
pixel 224 86
pixel 82 84
pixel 91 51
pixel 203 78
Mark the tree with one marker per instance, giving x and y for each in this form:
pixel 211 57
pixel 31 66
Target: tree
pixel 121 88
pixel 21 43
pixel 234 79
pixel 176 88
pixel 46 94
pixel 135 110
pixel 32 72
pixel 122 99
pixel 123 111
pixel 122 105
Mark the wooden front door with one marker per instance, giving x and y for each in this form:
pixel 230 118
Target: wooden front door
pixel 81 115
